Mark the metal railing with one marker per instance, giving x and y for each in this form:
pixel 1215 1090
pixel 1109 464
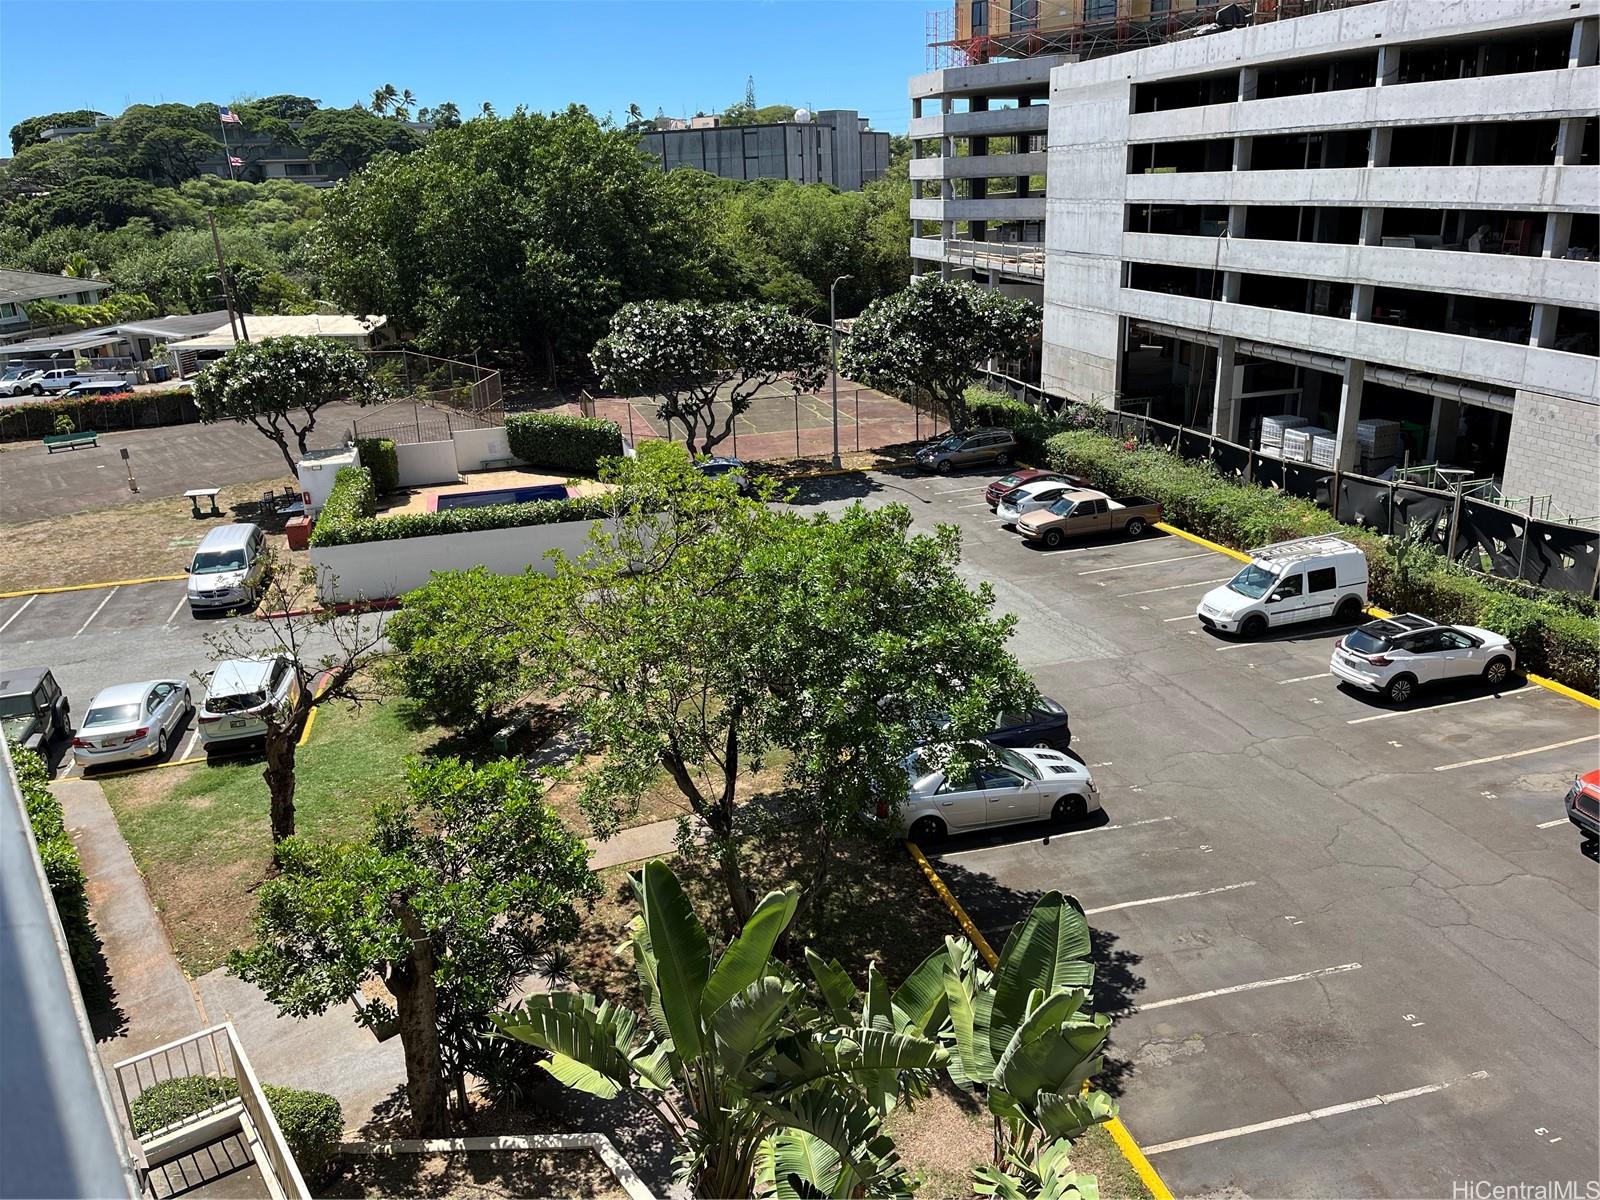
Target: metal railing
pixel 1018 258
pixel 213 1053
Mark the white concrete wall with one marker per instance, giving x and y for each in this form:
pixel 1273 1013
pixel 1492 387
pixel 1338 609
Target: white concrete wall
pixel 379 570
pixel 474 447
pixel 1553 449
pixel 422 463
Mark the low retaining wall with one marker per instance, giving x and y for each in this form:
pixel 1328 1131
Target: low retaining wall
pixel 421 463
pixel 380 570
pixel 475 447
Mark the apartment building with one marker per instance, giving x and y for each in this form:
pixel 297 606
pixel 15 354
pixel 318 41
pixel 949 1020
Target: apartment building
pixel 832 146
pixel 1386 210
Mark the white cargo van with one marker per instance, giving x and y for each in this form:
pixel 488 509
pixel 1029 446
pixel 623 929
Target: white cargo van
pixel 1307 579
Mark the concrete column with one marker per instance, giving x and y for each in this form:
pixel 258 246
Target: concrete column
pixel 1231 282
pixel 1248 78
pixel 1569 142
pixel 1371 226
pixel 1378 144
pixel 1557 234
pixel 1361 302
pixel 1241 153
pixel 1544 325
pixel 1388 65
pixel 1442 429
pixel 1225 399
pixel 1346 450
pixel 1585 43
pixel 916 106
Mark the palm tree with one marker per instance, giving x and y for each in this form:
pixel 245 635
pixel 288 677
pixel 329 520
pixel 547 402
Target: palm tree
pixel 488 109
pixel 384 99
pixel 762 1091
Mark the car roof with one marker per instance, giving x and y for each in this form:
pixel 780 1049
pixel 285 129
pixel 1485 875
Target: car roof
pixel 237 676
pixel 121 693
pixel 22 679
pixel 1084 494
pixel 226 537
pixel 1037 485
pixel 1399 623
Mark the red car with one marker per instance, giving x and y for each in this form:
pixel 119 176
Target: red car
pixel 1583 807
pixel 1020 476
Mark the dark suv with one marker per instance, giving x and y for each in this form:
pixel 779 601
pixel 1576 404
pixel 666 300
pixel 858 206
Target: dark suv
pixel 974 448
pixel 33 710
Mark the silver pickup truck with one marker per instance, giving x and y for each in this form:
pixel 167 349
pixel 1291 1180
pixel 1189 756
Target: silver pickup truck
pixel 1084 513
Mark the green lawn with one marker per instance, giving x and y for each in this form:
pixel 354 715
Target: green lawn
pixel 200 833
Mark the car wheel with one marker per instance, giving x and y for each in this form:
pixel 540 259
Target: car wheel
pixel 1401 688
pixel 927 829
pixel 1497 672
pixel 1253 627
pixel 1069 808
pixel 161 745
pixel 36 390
pixel 188 702
pixel 1349 609
pixel 1043 746
pixel 943 467
pixel 1135 527
pixel 1053 539
pixel 1002 460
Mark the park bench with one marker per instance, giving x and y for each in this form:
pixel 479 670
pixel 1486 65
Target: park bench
pixel 195 495
pixel 490 464
pixel 70 441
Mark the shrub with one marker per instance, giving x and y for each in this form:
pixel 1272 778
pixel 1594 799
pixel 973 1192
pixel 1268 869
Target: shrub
pixel 64 424
pixel 63 870
pixel 378 455
pixel 575 444
pixel 1553 637
pixel 349 532
pixel 312 1122
pixel 119 410
pixel 351 499
pixel 1004 412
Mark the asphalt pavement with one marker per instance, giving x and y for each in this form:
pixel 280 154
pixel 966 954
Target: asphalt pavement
pixel 1350 950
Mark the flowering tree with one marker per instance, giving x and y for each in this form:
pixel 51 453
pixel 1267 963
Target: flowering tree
pixel 696 356
pixel 279 384
pixel 934 335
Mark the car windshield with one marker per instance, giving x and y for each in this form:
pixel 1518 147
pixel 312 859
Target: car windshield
pixel 951 443
pixel 1016 762
pixel 1007 481
pixel 211 562
pixel 111 714
pixel 1062 506
pixel 1363 642
pixel 1253 581
pixel 16 706
pixel 243 702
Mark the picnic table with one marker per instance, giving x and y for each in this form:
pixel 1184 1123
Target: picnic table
pixel 195 495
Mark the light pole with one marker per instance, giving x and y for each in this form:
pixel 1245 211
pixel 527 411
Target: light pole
pixel 833 338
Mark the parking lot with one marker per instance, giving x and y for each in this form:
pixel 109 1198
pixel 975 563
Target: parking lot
pixel 1350 949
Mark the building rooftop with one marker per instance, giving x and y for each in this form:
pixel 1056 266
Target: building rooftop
pixel 334 325
pixel 18 287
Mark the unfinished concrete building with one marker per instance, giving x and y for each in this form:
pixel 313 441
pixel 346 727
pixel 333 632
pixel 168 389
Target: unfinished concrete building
pixel 833 146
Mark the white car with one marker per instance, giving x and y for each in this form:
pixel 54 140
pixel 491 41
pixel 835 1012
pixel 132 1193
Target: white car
pixel 131 721
pixel 57 380
pixel 1399 654
pixel 241 693
pixel 1306 579
pixel 1030 497
pixel 14 381
pixel 1003 787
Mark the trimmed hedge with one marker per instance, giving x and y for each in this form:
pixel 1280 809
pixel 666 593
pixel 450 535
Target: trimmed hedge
pixel 575 444
pixel 63 870
pixel 352 498
pixel 1000 411
pixel 312 1122
pixel 458 520
pixel 379 456
pixel 119 410
pixel 1555 634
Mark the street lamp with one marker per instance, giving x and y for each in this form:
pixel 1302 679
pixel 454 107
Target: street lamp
pixel 833 338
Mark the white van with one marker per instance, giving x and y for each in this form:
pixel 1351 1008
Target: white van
pixel 1307 579
pixel 229 568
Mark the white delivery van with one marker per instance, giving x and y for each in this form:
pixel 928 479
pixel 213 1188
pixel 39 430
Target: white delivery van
pixel 317 471
pixel 1307 579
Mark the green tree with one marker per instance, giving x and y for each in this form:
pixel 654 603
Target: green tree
pixel 26 132
pixel 351 137
pixel 167 142
pixel 702 632
pixel 282 107
pixel 462 889
pixel 463 643
pixel 935 335
pixel 280 384
pixel 445 116
pixel 748 1076
pixel 696 356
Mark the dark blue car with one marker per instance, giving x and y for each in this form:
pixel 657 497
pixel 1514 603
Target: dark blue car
pixel 1044 728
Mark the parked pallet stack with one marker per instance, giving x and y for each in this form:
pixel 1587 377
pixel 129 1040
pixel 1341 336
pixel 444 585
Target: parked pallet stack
pixel 1324 452
pixel 1272 430
pixel 1378 445
pixel 1297 441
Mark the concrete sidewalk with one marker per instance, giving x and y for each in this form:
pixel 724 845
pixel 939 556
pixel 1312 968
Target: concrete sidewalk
pixel 631 845
pixel 151 1001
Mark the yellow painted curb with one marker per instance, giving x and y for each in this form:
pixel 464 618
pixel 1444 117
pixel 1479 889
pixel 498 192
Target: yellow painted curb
pixel 177 762
pixel 1119 1132
pixel 90 587
pixel 1562 689
pixel 1200 541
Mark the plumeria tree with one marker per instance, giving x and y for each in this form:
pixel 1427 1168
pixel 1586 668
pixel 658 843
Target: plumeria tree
pixel 280 384
pixel 699 358
pixel 935 335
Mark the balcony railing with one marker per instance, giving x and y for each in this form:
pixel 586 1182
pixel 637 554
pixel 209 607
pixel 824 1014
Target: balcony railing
pixel 213 1053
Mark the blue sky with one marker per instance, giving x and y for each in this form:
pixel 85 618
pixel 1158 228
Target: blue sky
pixel 57 55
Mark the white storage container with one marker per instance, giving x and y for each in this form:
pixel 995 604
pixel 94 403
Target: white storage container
pixel 1297 441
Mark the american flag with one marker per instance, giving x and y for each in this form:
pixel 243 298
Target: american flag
pixel 226 114
pixel 235 162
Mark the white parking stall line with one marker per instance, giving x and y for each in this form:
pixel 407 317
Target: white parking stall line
pixel 188 745
pixel 1230 887
pixel 19 612
pixel 1315 1114
pixel 176 609
pixel 979 504
pixel 1248 987
pixel 97 609
pixel 1069 833
pixel 1303 678
pixel 1237 645
pixel 1189 616
pixel 1478 762
pixel 1176 587
pixel 1155 562
pixel 1553 824
pixel 1411 712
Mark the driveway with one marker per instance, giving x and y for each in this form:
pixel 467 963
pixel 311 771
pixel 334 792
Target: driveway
pixel 1350 950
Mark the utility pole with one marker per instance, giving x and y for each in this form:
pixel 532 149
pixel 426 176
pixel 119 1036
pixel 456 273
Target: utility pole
pixel 833 338
pixel 240 333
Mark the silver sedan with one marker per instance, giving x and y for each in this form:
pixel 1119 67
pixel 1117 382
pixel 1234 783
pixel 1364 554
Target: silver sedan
pixel 131 721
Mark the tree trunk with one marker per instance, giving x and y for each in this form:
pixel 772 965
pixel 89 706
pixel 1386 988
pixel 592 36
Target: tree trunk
pixel 416 1000
pixel 280 781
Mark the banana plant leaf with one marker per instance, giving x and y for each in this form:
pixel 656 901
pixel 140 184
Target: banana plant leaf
pixel 682 956
pixel 1048 952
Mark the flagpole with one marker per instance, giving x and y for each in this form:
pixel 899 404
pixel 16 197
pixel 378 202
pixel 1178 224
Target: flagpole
pixel 227 150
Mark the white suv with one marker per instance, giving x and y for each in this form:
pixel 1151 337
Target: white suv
pixel 1029 497
pixel 15 380
pixel 241 693
pixel 1399 654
